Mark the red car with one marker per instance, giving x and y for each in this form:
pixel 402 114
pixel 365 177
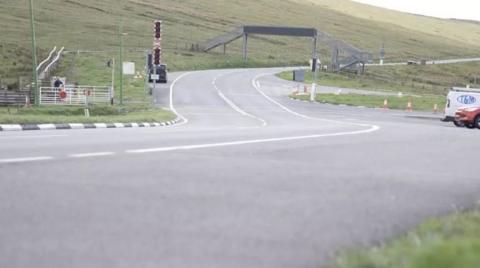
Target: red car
pixel 469 117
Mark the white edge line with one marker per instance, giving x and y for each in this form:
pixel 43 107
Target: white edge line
pixel 257 86
pixel 184 119
pixel 25 159
pixel 244 142
pixel 233 105
pixel 91 155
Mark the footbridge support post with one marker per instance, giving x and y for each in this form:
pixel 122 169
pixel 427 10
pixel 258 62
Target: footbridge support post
pixel 245 47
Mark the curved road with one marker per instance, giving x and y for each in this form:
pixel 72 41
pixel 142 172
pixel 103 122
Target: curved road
pixel 249 179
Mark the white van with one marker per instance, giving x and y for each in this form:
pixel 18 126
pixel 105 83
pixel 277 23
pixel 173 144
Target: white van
pixel 461 98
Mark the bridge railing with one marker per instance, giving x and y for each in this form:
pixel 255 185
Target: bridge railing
pixel 75 95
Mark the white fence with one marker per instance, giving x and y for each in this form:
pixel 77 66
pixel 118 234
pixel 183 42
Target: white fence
pixel 75 95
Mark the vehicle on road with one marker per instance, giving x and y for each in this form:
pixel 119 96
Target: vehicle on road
pixel 159 74
pixel 469 117
pixel 459 98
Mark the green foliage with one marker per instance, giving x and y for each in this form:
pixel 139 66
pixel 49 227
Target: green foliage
pixel 98 114
pixel 411 79
pixel 423 103
pixel 452 241
pixel 93 26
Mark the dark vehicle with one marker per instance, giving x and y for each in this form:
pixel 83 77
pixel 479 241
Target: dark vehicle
pixel 160 72
pixel 469 117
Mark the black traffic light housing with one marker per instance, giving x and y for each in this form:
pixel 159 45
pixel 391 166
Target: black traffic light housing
pixel 158 29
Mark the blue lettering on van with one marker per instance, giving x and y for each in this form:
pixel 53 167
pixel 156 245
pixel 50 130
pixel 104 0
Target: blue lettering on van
pixel 467 99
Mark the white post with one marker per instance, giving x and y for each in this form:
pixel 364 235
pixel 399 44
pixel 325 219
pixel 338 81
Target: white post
pixel 113 81
pixel 315 61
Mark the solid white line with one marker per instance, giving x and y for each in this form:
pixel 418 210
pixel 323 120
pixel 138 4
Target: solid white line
pixel 256 84
pixel 184 119
pixel 244 142
pixel 91 155
pixel 25 159
pixel 233 105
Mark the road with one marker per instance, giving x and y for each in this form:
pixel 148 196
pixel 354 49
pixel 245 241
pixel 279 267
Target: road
pixel 249 179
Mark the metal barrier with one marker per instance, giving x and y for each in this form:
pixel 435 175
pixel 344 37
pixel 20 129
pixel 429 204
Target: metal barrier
pixel 52 64
pixel 75 95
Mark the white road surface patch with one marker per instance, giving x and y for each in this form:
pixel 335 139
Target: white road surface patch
pixel 25 159
pixel 98 154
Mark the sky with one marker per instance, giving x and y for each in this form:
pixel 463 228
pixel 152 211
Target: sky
pixel 459 9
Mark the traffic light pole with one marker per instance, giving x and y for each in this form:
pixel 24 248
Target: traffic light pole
pixel 34 57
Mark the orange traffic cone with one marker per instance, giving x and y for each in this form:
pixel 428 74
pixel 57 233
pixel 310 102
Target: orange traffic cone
pixel 409 106
pixel 385 104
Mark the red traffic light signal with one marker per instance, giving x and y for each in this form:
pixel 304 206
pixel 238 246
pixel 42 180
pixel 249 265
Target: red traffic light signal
pixel 158 29
pixel 156 56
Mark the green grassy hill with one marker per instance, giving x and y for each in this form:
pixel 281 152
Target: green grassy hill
pixel 90 25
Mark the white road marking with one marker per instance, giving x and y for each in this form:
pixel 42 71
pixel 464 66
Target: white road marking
pixel 98 154
pixel 184 119
pixel 25 159
pixel 245 142
pixel 256 84
pixel 233 105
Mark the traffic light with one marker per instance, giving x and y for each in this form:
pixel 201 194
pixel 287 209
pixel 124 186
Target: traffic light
pixel 158 29
pixel 156 56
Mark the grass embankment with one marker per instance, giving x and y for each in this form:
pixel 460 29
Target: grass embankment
pixel 425 103
pixel 425 85
pixel 98 114
pixel 93 26
pixel 450 242
pixel 412 79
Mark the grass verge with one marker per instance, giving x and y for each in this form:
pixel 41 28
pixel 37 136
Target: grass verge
pixel 452 241
pixel 98 114
pixel 409 79
pixel 423 103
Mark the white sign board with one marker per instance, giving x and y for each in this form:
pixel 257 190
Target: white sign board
pixel 129 68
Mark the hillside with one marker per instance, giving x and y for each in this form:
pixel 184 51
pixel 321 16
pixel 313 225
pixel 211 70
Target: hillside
pixel 89 25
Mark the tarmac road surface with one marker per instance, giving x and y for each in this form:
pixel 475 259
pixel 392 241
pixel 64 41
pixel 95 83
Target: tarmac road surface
pixel 249 179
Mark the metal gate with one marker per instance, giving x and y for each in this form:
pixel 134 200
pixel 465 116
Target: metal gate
pixel 75 95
